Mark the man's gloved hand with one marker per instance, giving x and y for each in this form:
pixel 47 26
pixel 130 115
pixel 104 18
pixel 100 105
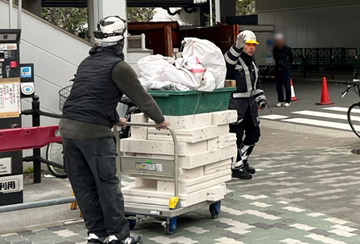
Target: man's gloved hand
pixel 163 125
pixel 122 123
pixel 240 41
pixel 262 104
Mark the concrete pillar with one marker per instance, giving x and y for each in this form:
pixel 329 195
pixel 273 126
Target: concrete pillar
pixel 218 11
pixel 91 19
pixel 33 6
pixel 114 7
pixel 103 8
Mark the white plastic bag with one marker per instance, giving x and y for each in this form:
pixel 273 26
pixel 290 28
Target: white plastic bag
pixel 193 65
pixel 148 66
pixel 210 57
pixel 166 85
pixel 207 83
pixel 181 76
pixel 157 83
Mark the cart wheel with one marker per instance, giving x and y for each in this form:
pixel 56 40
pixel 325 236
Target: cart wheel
pixel 215 209
pixel 170 228
pixel 132 222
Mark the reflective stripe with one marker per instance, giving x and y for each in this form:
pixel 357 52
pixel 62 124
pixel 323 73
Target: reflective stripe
pixel 237 122
pixel 259 98
pixel 258 91
pixel 234 52
pixel 241 95
pixel 256 74
pixel 250 92
pixel 229 61
pixel 238 67
pixel 247 75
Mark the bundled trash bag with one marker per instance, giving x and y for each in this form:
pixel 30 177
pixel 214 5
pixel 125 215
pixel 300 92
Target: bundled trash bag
pixel 209 56
pixel 148 66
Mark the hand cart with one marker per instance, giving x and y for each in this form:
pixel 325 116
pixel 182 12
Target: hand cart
pixel 136 212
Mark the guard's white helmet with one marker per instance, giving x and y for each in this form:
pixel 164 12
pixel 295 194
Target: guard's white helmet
pixel 249 37
pixel 110 30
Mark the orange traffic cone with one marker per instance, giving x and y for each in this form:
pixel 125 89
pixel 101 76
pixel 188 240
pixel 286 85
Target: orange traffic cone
pixel 325 94
pixel 293 96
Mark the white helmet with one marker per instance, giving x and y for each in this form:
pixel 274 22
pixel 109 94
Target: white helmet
pixel 249 37
pixel 110 30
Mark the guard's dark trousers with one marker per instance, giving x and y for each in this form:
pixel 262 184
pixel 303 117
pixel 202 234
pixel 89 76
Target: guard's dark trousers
pixel 91 168
pixel 283 80
pixel 252 132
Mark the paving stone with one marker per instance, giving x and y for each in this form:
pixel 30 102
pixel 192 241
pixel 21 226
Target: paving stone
pixel 34 238
pixel 14 238
pixel 321 232
pixel 65 242
pixel 25 233
pixel 234 236
pixel 263 226
pixel 282 226
pixel 55 228
pixel 22 242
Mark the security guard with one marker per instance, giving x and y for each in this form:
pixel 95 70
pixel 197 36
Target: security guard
pixel 89 147
pixel 246 100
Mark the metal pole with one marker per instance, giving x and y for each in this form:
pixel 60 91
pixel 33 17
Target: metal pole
pixel 143 41
pixel 218 11
pixel 10 13
pixel 36 151
pixel 91 20
pixel 19 13
pixel 211 14
pixel 39 204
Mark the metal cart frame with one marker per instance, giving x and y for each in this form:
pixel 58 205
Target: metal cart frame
pixel 162 168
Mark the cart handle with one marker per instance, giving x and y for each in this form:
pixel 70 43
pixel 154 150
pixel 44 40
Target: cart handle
pixel 176 154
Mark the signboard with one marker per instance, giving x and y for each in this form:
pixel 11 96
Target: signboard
pixel 10 98
pixel 11 46
pixel 12 183
pixel 5 166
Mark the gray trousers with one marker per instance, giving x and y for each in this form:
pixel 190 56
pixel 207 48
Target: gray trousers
pixel 91 168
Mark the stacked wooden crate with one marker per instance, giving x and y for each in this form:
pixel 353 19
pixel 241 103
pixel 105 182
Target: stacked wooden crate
pixel 205 149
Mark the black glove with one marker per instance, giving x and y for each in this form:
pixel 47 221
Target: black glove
pixel 262 104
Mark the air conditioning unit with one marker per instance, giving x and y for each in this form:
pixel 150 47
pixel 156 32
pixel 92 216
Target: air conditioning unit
pixel 137 41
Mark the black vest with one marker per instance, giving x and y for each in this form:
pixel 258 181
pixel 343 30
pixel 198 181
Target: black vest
pixel 94 95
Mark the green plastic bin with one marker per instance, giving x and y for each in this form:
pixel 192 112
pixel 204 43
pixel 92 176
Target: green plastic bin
pixel 178 103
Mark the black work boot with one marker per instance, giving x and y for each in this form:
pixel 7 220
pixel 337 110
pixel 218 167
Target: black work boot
pixel 241 173
pixel 248 168
pixel 133 239
pixel 95 239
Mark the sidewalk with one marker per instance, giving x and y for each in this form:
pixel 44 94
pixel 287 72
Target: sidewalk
pixel 307 196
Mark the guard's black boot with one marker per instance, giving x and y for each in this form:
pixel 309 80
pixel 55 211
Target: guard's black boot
pixel 93 239
pixel 248 168
pixel 241 173
pixel 133 239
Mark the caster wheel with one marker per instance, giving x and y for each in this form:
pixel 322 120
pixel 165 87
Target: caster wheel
pixel 170 228
pixel 132 222
pixel 215 210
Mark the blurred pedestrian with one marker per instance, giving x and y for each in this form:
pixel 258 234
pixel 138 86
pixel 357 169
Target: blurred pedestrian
pixel 283 57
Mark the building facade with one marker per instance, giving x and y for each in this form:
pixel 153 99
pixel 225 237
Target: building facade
pixel 313 23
